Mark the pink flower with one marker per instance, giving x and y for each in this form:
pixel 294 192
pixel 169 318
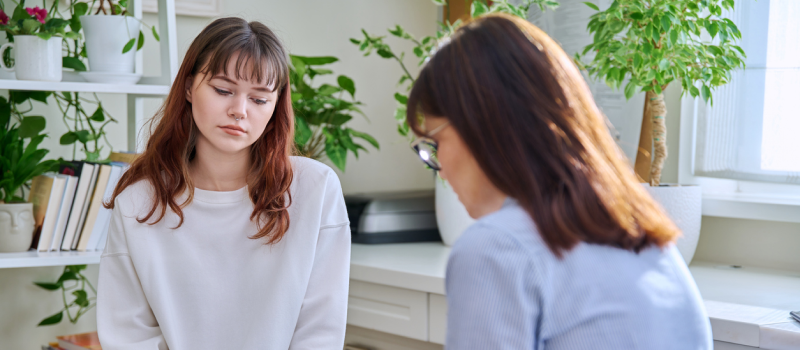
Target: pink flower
pixel 3 18
pixel 40 14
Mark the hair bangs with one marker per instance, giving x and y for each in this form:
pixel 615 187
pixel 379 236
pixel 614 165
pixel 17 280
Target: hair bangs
pixel 257 60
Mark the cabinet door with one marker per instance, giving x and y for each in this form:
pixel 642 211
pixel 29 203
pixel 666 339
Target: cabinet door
pixel 391 310
pixel 437 318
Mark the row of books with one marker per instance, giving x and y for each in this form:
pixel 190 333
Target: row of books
pixel 83 341
pixel 68 205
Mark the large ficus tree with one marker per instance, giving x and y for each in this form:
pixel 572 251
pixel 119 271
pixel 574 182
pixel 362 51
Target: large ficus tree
pixel 646 45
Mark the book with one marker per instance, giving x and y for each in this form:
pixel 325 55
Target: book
pixel 104 216
pixel 95 205
pixel 123 157
pixel 101 245
pixel 52 210
pixel 63 215
pixel 41 186
pixel 83 341
pixel 84 173
pixel 85 208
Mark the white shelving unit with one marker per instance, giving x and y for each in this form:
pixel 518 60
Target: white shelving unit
pixel 148 87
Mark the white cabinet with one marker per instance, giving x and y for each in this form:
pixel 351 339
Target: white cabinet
pixel 399 311
pixel 437 318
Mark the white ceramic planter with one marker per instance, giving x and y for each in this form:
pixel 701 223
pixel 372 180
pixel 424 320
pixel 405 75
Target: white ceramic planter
pixel 106 36
pixel 451 216
pixel 683 204
pixel 16 227
pixel 35 58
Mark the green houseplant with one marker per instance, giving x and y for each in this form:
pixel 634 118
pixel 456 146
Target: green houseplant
pixel 21 160
pixel 35 33
pixel 321 112
pixel 648 45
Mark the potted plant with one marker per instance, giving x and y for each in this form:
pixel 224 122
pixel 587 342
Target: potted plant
pixel 451 216
pixel 36 38
pixel 321 112
pixel 19 164
pixel 646 46
pixel 110 39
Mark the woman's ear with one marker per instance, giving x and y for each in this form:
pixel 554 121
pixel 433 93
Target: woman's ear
pixel 189 82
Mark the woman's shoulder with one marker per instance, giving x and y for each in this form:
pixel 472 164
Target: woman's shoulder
pixel 508 229
pixel 136 198
pixel 309 172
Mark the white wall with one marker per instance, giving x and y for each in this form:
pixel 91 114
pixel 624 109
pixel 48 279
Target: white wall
pixel 319 27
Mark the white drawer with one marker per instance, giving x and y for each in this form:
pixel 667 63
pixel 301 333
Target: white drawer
pixel 437 318
pixel 388 309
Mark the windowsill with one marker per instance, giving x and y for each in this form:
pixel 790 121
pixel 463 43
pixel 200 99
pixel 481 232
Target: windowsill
pixel 752 206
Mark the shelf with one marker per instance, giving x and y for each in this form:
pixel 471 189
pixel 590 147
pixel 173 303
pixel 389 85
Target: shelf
pixel 35 259
pixel 138 89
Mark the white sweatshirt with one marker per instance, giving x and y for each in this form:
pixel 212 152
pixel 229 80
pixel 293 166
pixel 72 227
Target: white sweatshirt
pixel 206 285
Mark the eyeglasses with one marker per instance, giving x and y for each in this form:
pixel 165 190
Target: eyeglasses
pixel 426 148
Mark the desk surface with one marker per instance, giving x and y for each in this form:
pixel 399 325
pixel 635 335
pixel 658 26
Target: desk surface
pixel 747 306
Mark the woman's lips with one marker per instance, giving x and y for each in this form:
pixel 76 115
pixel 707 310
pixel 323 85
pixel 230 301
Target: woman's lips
pixel 233 130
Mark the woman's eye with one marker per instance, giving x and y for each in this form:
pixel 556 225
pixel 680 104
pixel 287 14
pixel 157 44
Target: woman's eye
pixel 222 92
pixel 259 102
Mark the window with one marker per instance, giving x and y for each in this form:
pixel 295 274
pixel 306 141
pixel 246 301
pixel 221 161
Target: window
pixel 752 132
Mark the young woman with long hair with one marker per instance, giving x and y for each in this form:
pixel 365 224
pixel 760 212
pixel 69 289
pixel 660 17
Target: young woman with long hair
pixel 569 252
pixel 219 238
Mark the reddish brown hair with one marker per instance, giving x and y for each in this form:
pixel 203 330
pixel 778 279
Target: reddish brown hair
pixel 526 114
pixel 171 146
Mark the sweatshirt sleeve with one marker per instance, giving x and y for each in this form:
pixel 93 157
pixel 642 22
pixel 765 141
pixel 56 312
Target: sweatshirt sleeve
pixel 491 303
pixel 323 316
pixel 124 318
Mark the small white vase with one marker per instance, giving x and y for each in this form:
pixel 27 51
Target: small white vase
pixel 451 216
pixel 106 36
pixel 16 227
pixel 683 204
pixel 35 58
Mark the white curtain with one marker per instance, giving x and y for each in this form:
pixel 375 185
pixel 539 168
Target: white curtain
pixel 751 132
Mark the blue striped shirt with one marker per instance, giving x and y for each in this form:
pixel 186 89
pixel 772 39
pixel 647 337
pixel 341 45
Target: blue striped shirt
pixel 506 290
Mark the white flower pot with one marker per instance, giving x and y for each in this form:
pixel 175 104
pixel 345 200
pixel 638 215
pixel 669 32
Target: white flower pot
pixel 35 58
pixel 16 227
pixel 451 216
pixel 106 36
pixel 683 204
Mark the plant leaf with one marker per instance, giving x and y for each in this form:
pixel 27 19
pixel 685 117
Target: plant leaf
pixel 706 93
pixel 140 42
pixel 365 137
pixel 68 138
pixel 128 46
pixel 56 318
pixel 31 126
pixel 98 114
pixel 347 84
pixel 337 154
pixel 155 34
pixel 302 132
pixel 591 5
pixel 316 61
pixel 74 63
pixel 48 286
pixel 80 9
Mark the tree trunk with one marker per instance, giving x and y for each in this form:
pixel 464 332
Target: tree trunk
pixel 657 111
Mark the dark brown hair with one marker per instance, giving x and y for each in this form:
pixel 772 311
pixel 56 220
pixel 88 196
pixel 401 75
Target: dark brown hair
pixel 526 114
pixel 164 163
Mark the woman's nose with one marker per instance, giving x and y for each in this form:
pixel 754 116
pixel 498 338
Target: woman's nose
pixel 238 108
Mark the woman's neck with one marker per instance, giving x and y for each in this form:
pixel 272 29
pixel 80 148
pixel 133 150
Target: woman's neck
pixel 213 170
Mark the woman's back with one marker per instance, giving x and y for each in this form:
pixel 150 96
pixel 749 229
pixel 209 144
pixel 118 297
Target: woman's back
pixel 507 290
